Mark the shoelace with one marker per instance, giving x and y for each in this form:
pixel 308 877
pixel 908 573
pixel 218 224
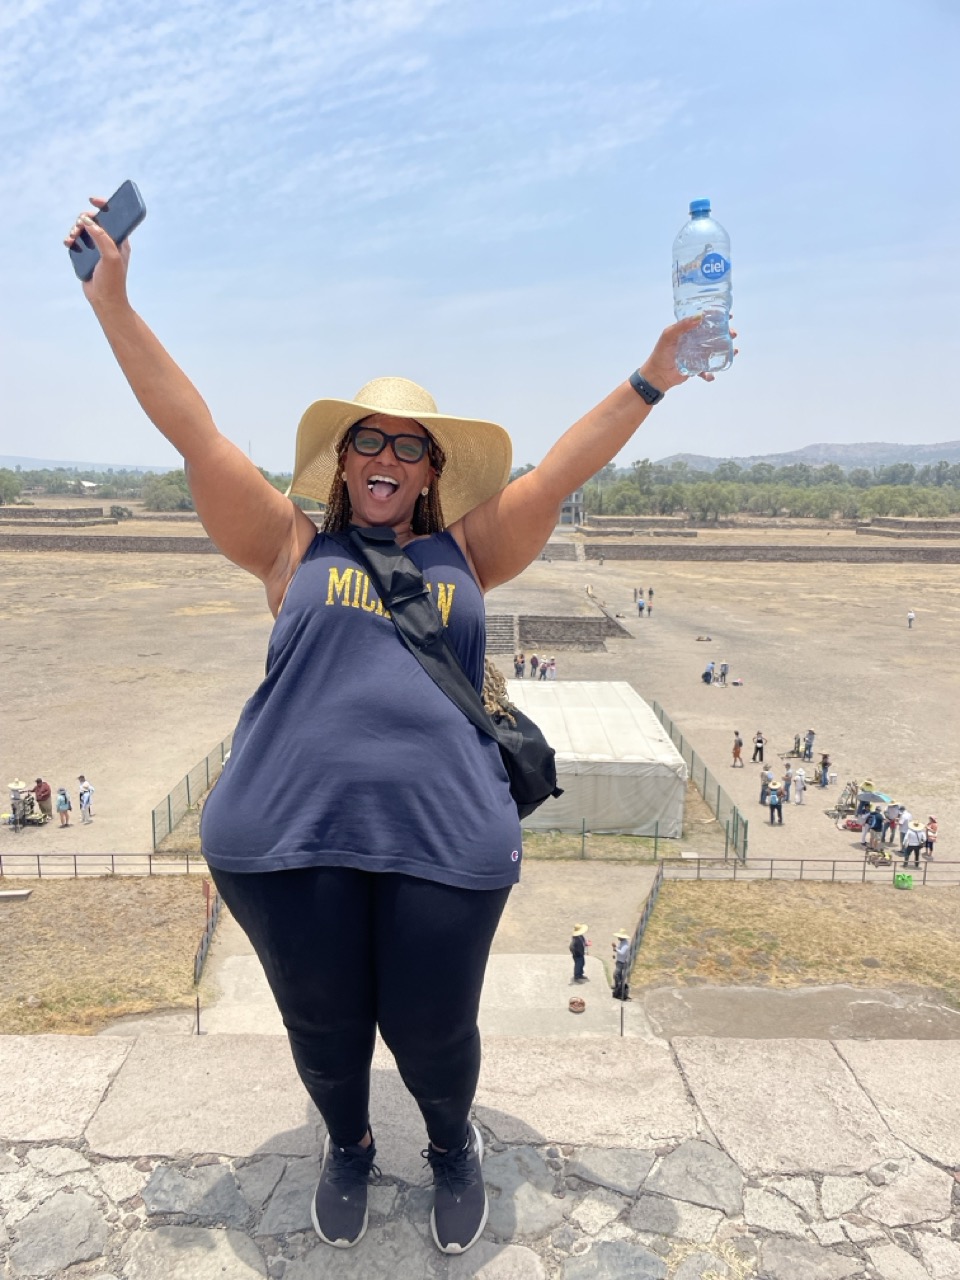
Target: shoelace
pixel 351 1169
pixel 454 1169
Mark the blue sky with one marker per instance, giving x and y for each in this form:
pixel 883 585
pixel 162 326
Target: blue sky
pixel 482 195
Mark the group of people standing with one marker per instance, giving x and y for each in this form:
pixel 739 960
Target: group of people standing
pixel 643 606
pixel 540 668
pixel 882 824
pixel 773 794
pixel 42 802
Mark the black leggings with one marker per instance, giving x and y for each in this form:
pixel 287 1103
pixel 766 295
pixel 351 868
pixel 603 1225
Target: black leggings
pixel 347 951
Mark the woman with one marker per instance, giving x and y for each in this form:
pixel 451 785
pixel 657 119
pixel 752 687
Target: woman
pixel 63 806
pixel 930 836
pixel 799 786
pixel 759 741
pixel 405 842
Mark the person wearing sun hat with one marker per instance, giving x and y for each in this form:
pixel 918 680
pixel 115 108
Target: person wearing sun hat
pixel 931 831
pixel 621 961
pixel 390 873
pixel 578 949
pixel 913 841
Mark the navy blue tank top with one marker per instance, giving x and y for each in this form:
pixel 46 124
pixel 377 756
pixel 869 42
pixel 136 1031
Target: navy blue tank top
pixel 349 755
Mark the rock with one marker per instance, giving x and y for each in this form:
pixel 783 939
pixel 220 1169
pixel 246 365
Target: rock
pixel 258 1179
pixel 120 1181
pixel 771 1212
pixel 802 1191
pixel 393 1251
pixel 596 1210
pixel 289 1207
pixel 919 1193
pixel 62 1231
pixel 675 1218
pixel 616 1261
pixel 859 1230
pixel 941 1257
pixel 8 1163
pixel 209 1192
pixel 799 1260
pixel 896 1264
pixel 839 1195
pixel 382 1198
pixel 619 1170
pixel 700 1174
pixel 877 1178
pixel 489 1261
pixel 829 1232
pixel 192 1253
pixel 699 1265
pixel 520 1188
pixel 57 1160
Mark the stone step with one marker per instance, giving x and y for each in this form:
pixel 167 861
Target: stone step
pixel 501 633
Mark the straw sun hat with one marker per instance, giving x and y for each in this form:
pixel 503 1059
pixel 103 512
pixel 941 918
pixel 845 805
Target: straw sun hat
pixel 478 453
pixel 579 930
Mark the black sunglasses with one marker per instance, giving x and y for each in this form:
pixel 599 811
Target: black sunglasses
pixel 369 441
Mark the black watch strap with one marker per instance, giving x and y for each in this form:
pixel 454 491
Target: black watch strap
pixel 644 389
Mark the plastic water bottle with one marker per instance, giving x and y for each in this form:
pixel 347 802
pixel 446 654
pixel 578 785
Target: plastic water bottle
pixel 701 283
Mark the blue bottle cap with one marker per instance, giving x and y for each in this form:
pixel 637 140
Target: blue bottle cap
pixel 699 208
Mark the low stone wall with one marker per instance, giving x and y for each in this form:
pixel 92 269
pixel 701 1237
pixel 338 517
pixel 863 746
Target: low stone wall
pixel 933 535
pixel 597 523
pixel 58 524
pixel 823 554
pixel 93 545
pixel 917 524
pixel 69 514
pixel 539 631
pixel 560 551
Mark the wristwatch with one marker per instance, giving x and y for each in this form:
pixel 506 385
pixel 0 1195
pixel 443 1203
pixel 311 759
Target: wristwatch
pixel 645 390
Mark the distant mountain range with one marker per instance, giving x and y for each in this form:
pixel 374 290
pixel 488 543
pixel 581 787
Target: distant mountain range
pixel 847 456
pixel 47 464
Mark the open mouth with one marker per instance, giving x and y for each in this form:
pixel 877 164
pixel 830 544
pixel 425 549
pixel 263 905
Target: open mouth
pixel 382 487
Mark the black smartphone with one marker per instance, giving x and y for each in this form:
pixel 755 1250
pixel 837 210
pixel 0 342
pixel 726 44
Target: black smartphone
pixel 123 212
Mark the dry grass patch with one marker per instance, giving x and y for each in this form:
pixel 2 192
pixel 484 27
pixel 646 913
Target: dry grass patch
pixel 78 953
pixel 800 934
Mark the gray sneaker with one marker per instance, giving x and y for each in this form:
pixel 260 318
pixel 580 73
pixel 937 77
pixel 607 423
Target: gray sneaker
pixel 460 1200
pixel 339 1208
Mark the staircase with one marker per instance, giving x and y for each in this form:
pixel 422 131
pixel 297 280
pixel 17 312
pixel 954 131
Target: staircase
pixel 502 633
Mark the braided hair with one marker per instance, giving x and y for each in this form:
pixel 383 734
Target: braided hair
pixel 495 700
pixel 427 512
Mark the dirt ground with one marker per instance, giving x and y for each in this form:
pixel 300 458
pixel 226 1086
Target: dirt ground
pixel 129 668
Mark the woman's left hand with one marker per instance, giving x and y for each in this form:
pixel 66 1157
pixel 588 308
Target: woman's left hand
pixel 660 370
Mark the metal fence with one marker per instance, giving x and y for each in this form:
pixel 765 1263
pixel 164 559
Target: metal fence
pixel 934 874
pixel 50 866
pixel 214 903
pixel 188 791
pixel 736 826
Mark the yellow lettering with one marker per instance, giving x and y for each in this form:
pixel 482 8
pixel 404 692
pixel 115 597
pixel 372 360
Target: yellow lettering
pixel 367 604
pixel 339 585
pixel 359 581
pixel 445 592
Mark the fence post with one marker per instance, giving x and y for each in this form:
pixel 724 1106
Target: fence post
pixel 726 841
pixel 153 824
pixel 746 828
pixel 583 837
pixel 718 799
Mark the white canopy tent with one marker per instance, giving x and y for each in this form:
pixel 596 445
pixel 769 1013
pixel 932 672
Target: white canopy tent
pixel 615 761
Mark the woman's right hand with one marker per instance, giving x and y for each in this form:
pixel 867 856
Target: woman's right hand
pixel 108 284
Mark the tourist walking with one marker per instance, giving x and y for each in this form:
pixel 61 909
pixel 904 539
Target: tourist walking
pixel 808 741
pixel 759 741
pixel 372 901
pixel 824 768
pixel 578 949
pixel 737 750
pixel 906 817
pixel 722 675
pixel 911 618
pixel 891 822
pixel 86 800
pixel 766 783
pixel 787 782
pixel 913 841
pixel 641 606
pixel 64 807
pixel 534 666
pixel 931 832
pixel 650 606
pixel 775 802
pixel 621 961
pixel 799 786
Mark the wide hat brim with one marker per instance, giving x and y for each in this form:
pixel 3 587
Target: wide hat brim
pixel 478 453
pixel 579 930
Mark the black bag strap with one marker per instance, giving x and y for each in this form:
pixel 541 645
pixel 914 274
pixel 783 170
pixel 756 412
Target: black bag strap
pixel 417 619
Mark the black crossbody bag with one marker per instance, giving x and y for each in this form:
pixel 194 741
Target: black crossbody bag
pixel 527 756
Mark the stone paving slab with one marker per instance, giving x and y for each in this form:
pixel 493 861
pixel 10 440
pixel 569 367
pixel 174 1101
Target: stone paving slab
pixel 815 1115
pixel 914 1085
pixel 50 1086
pixel 236 1095
pixel 593 1092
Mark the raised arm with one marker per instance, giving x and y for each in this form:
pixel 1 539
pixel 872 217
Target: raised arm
pixel 503 535
pixel 253 524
